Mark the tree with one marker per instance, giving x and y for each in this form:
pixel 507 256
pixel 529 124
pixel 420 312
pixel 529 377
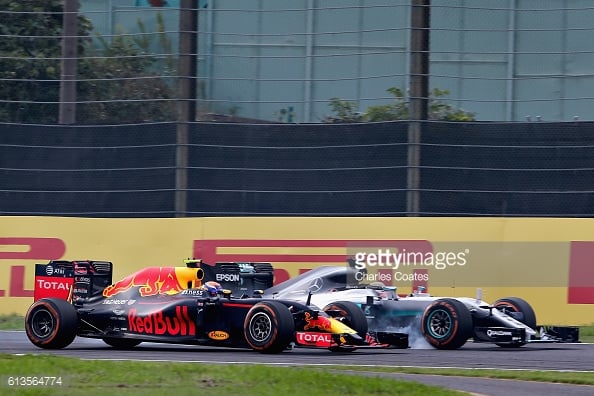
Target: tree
pixel 29 62
pixel 123 83
pixel 120 70
pixel 347 111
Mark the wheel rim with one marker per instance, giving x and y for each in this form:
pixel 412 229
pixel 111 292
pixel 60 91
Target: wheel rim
pixel 260 327
pixel 439 324
pixel 42 323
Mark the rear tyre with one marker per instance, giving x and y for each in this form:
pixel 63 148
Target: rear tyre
pixel 269 327
pixel 51 323
pixel 517 305
pixel 121 343
pixel 447 324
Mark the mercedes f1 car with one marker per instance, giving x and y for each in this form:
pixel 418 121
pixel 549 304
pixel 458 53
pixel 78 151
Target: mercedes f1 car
pixel 179 305
pixel 445 323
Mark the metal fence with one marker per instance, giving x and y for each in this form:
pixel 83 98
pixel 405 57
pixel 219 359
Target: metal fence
pixel 465 169
pixel 134 108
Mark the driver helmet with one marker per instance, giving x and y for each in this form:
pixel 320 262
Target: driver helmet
pixel 380 289
pixel 213 288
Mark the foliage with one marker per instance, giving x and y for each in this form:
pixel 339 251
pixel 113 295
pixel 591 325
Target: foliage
pixel 347 111
pixel 344 111
pixel 117 82
pixel 30 66
pixel 121 86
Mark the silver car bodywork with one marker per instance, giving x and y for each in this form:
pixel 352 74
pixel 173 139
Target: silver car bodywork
pixel 508 322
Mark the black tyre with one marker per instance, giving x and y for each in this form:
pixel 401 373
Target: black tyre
pixel 121 343
pixel 269 327
pixel 51 323
pixel 447 324
pixel 516 304
pixel 351 315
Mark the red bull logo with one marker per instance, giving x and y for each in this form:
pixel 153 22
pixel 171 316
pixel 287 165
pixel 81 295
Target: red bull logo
pixel 327 324
pixel 320 323
pixel 157 280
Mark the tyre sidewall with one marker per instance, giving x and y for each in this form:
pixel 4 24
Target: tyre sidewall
pixel 64 323
pixel 353 315
pixel 460 324
pixel 517 304
pixel 282 330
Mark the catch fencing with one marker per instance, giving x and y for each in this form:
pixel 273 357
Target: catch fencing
pixel 465 169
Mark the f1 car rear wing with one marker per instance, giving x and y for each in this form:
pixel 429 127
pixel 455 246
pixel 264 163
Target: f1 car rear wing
pixel 243 279
pixel 70 280
pixel 73 280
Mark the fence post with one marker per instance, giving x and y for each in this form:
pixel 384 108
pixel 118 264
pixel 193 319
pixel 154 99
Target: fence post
pixel 188 49
pixel 69 69
pixel 419 99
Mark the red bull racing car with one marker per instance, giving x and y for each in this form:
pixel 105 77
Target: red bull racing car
pixel 186 305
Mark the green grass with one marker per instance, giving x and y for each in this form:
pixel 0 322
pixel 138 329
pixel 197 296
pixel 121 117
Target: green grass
pixel 12 322
pixel 85 377
pixel 158 378
pixel 577 378
pixel 587 333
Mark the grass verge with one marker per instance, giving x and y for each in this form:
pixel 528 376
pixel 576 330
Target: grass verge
pixel 587 333
pixel 565 377
pixel 85 377
pixel 12 322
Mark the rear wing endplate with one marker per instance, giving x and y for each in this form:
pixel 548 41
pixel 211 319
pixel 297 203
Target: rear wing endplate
pixel 70 280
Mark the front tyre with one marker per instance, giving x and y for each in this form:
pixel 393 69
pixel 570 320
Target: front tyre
pixel 351 315
pixel 269 327
pixel 446 324
pixel 51 323
pixel 516 305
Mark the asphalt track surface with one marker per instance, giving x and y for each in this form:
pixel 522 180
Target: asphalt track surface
pixel 565 357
